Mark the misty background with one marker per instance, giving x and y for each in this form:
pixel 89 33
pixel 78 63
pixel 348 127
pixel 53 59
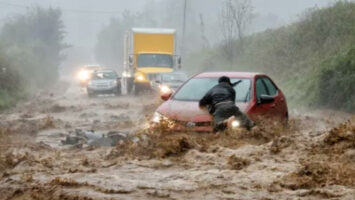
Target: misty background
pixel 306 46
pixel 84 19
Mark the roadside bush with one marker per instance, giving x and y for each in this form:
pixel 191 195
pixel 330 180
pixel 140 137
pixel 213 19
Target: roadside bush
pixel 30 53
pixel 10 83
pixel 294 57
pixel 34 42
pixel 337 82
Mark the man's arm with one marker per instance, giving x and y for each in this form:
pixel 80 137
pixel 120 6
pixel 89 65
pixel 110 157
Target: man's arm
pixel 206 100
pixel 233 94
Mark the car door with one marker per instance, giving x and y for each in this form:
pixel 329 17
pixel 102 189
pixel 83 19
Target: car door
pixel 259 108
pixel 277 106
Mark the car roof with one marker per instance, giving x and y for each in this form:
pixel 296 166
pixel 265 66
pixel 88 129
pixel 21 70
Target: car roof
pixel 229 74
pixel 173 73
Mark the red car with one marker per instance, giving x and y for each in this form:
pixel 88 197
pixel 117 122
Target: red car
pixel 256 95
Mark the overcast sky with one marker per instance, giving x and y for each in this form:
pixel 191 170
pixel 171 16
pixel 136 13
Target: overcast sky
pixel 83 26
pixel 83 19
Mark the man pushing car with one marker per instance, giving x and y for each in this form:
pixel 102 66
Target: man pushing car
pixel 220 102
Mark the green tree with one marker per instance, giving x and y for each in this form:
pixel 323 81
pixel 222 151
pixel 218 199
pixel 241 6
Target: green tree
pixel 10 82
pixel 109 46
pixel 303 57
pixel 34 43
pixel 30 53
pixel 337 82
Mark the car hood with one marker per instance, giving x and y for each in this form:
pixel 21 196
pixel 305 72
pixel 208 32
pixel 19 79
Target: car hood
pixel 188 111
pixel 102 81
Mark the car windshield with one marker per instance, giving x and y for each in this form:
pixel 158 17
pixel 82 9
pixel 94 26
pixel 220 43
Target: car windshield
pixel 103 75
pixel 174 77
pixel 196 88
pixel 155 60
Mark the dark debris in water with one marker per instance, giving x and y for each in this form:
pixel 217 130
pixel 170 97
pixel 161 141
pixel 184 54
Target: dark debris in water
pixel 91 138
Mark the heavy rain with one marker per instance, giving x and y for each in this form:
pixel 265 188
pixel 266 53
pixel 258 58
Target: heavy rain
pixel 177 99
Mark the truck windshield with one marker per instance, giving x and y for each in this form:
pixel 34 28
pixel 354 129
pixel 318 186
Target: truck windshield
pixel 155 60
pixel 196 88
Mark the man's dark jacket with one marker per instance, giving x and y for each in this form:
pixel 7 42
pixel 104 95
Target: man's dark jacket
pixel 223 92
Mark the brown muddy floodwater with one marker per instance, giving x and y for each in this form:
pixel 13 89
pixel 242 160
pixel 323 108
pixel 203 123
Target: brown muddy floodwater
pixel 312 159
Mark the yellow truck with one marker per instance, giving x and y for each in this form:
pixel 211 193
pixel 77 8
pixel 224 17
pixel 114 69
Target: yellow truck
pixel 147 53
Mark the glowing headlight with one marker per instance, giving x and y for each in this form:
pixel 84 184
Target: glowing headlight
pixel 157 117
pixel 165 89
pixel 140 78
pixel 83 75
pixel 235 124
pixel 126 74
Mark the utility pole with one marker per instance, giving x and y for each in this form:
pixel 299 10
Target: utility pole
pixel 183 30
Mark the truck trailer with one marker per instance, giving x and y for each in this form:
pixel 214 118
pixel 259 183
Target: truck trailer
pixel 147 53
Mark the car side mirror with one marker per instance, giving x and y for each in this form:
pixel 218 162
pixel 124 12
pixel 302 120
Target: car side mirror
pixel 265 99
pixel 166 96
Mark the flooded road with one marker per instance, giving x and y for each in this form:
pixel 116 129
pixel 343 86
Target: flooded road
pixel 312 159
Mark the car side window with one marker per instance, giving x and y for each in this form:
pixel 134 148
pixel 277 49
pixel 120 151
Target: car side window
pixel 270 86
pixel 260 88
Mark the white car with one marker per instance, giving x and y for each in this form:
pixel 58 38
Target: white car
pixel 104 82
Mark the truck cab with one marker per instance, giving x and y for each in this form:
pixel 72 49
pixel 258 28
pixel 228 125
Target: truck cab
pixel 149 52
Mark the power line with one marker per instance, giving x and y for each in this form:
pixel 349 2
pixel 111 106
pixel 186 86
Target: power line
pixel 64 10
pixel 13 5
pixel 90 11
pixel 183 28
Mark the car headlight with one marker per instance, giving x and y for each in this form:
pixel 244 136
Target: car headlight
pixel 83 75
pixel 90 84
pixel 126 74
pixel 157 117
pixel 235 124
pixel 140 78
pixel 165 89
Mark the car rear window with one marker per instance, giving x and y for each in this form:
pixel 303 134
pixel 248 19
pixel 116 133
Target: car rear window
pixel 196 88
